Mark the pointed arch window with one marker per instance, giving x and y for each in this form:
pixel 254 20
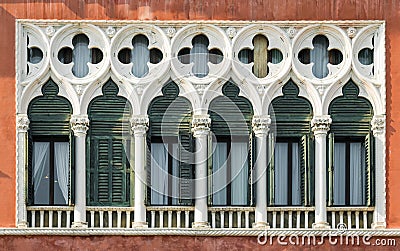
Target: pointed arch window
pixel 230 170
pixel 351 158
pixel 290 168
pixel 170 154
pixel 109 150
pixel 50 164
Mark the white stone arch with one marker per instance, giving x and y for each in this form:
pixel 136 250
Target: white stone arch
pixel 367 91
pixel 247 91
pixel 306 90
pixel 34 90
pixel 153 90
pixel 94 90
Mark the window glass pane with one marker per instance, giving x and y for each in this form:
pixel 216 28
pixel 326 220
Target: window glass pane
pixel 239 173
pixel 281 174
pixel 296 175
pixel 339 174
pixel 159 174
pixel 175 174
pixel 61 172
pixel 357 174
pixel 219 181
pixel 41 172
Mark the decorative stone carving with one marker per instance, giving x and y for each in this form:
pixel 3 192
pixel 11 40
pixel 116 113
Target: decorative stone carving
pixel 110 31
pixel 170 32
pixel 261 125
pixel 50 31
pixel 79 124
pixel 378 124
pixel 231 32
pixel 291 31
pixel 22 123
pixel 201 125
pixel 140 124
pixel 321 124
pixel 351 32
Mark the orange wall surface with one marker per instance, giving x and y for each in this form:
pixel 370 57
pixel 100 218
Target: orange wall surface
pixel 10 10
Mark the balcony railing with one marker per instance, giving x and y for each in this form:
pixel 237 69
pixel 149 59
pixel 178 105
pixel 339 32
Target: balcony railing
pixel 183 217
pixel 350 217
pixel 50 216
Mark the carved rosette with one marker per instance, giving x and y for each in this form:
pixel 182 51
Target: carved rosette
pixel 140 124
pixel 22 123
pixel 378 125
pixel 260 125
pixel 79 124
pixel 321 124
pixel 201 125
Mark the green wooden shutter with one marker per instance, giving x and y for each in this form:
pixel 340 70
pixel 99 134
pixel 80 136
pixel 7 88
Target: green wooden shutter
pixel 304 169
pixel 186 184
pixel 271 168
pixel 331 166
pixel 148 171
pixel 369 170
pixel 108 140
pixel 210 169
pixel 30 186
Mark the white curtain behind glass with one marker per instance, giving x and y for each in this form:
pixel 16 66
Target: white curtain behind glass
pixel 339 174
pixel 219 181
pixel 357 174
pixel 140 56
pixel 199 56
pixel 281 174
pixel 41 172
pixel 296 175
pixel 239 173
pixel 61 161
pixel 319 56
pixel 81 56
pixel 159 174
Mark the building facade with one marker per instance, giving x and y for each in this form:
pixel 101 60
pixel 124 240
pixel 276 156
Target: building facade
pixel 153 124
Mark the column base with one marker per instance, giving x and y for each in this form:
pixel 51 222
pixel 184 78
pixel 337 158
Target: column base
pixel 378 225
pixel 321 225
pixel 201 224
pixel 79 224
pixel 260 225
pixel 22 224
pixel 139 225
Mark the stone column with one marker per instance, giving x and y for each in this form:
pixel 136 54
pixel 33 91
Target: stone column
pixel 261 126
pixel 320 126
pixel 140 124
pixel 22 164
pixel 201 128
pixel 80 125
pixel 378 128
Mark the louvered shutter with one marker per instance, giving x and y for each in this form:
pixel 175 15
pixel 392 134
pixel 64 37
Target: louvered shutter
pixel 304 169
pixel 148 171
pixel 331 166
pixel 210 168
pixel 186 184
pixel 30 186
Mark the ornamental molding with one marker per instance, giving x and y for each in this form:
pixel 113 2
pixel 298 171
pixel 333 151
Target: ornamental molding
pixel 321 124
pixel 201 125
pixel 139 124
pixel 261 125
pixel 378 124
pixel 79 124
pixel 22 123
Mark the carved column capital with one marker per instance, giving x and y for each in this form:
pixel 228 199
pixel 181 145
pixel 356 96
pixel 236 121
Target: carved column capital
pixel 22 123
pixel 378 124
pixel 260 125
pixel 79 124
pixel 201 125
pixel 139 124
pixel 321 124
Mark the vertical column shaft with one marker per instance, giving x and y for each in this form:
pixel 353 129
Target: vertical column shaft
pixel 22 128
